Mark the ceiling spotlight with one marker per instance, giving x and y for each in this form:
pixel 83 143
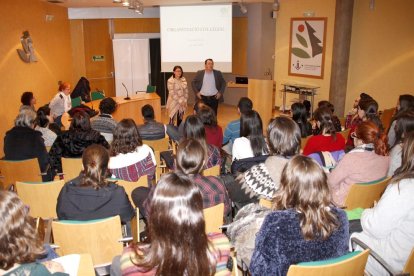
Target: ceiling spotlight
pixel 243 8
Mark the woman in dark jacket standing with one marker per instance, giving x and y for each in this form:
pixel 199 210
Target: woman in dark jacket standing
pixel 91 195
pixel 73 142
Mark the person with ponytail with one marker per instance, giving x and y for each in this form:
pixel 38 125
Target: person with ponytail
pixel 388 227
pixel 405 103
pixel 91 195
pixel 327 139
pixel 368 161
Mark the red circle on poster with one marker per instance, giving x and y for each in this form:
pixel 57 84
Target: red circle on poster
pixel 301 28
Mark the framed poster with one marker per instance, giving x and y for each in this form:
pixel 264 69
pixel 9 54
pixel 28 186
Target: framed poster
pixel 307 47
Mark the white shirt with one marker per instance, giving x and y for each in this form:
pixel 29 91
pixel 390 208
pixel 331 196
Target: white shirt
pixel 127 159
pixel 242 148
pixel 60 104
pixel 209 84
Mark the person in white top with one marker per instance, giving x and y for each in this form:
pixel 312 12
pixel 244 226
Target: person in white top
pixel 251 142
pixel 388 227
pixel 61 103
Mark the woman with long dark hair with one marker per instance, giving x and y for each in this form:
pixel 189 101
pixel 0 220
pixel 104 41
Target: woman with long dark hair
pixel 328 139
pixel 388 227
pixel 177 243
pixel 368 161
pixel 177 95
pixel 303 226
pixel 91 195
pixel 299 115
pixel 214 132
pixel 251 142
pixel 405 103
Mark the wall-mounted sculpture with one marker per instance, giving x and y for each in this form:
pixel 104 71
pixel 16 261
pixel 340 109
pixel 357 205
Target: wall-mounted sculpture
pixel 28 52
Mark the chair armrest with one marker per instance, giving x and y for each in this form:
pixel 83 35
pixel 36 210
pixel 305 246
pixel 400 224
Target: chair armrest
pixel 373 254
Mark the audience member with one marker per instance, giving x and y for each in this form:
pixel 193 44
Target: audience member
pixel 299 116
pixel 194 128
pixel 28 100
pixel 43 120
pixel 130 158
pixel 388 227
pixel 232 130
pixel 19 242
pixel 251 141
pixel 24 142
pixel 177 96
pixel 91 195
pixel 151 129
pixel 214 133
pixel 73 142
pixel 367 162
pixel 177 243
pixel 61 103
pixel 328 139
pixel 304 226
pixel 104 122
pixel 352 117
pixel 404 124
pixel 405 103
pixel 335 120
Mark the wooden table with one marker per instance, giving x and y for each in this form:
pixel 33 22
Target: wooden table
pixel 132 108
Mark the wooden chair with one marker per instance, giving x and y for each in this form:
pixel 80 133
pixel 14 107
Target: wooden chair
pixel 345 133
pixel 409 265
pixel 213 217
pixel 351 264
pixel 66 120
pixel 304 141
pixel 363 195
pixel 86 265
pixel 25 170
pixel 99 238
pixel 342 120
pixel 130 186
pixel 135 229
pixel 213 171
pixel 235 271
pixel 265 203
pixel 161 168
pixel 71 167
pixel 41 197
pixel 386 117
pixel 158 145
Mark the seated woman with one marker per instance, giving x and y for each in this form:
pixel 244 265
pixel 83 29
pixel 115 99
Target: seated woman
pixel 328 139
pixel 352 118
pixel 388 227
pixel 367 162
pixel 404 124
pixel 214 132
pixel 91 195
pixel 251 141
pixel 43 120
pixel 304 226
pixel 19 242
pixel 194 128
pixel 73 142
pixel 190 160
pixel 177 244
pixel 264 179
pixel 130 158
pixel 299 115
pixel 335 119
pixel 405 103
pixel 23 142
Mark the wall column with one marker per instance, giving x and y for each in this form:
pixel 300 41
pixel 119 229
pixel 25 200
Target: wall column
pixel 340 56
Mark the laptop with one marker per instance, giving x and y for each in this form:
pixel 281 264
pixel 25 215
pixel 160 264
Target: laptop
pixel 242 80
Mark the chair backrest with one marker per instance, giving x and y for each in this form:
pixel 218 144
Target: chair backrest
pixel 135 229
pixel 160 168
pixel 351 264
pixel 304 141
pixel 345 133
pixel 76 102
pixel 213 171
pixel 409 265
pixel 97 95
pixel 151 88
pixel 158 145
pixel 386 117
pixel 41 197
pixel 71 167
pixel 265 203
pixel 66 120
pixel 213 217
pixel 86 265
pixel 363 195
pixel 130 186
pixel 25 170
pixel 342 120
pixel 99 238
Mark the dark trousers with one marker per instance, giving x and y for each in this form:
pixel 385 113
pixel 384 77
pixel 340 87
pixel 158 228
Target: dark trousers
pixel 211 101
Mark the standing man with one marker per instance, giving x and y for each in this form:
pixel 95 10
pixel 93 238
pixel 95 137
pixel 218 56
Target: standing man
pixel 209 85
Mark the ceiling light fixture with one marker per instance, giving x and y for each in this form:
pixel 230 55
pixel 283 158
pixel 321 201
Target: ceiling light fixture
pixel 135 5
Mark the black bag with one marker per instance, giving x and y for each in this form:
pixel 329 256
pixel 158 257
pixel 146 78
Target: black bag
pixel 242 165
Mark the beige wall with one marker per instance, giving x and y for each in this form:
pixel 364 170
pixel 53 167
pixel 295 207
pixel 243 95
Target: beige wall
pixel 382 51
pixel 295 8
pixel 53 49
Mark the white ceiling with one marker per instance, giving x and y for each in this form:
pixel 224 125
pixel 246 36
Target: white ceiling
pixel 147 3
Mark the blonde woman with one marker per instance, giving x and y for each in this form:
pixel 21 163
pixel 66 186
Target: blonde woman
pixel 178 95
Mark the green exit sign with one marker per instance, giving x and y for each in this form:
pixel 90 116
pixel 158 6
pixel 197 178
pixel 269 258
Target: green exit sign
pixel 98 58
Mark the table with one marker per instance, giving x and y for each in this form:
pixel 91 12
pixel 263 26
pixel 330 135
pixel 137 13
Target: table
pixel 300 89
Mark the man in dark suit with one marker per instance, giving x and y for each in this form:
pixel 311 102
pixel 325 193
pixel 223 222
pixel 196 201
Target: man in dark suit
pixel 209 85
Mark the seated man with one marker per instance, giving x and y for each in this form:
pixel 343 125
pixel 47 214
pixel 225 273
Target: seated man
pixel 232 130
pixel 104 123
pixel 151 129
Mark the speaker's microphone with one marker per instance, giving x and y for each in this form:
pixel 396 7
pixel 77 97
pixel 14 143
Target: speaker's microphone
pixel 127 97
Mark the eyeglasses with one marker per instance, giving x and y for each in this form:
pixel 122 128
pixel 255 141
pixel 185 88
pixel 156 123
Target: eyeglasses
pixel 353 135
